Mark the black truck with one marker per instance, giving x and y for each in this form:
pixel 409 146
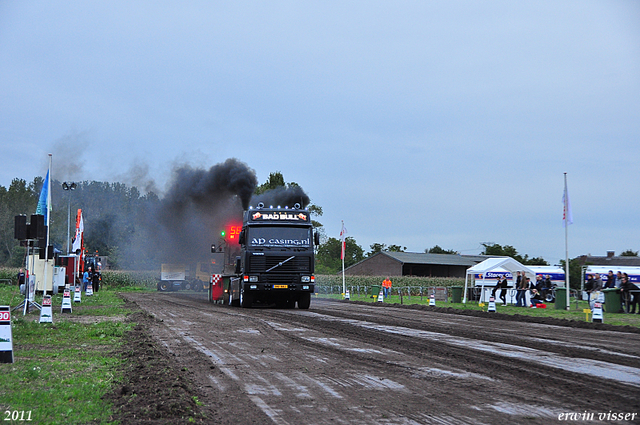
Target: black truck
pixel 276 262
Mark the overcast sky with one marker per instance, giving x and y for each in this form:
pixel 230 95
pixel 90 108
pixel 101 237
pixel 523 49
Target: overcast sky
pixel 417 123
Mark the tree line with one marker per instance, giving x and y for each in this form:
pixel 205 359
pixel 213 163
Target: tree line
pixel 115 214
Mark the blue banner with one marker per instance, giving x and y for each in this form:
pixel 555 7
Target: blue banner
pixel 42 202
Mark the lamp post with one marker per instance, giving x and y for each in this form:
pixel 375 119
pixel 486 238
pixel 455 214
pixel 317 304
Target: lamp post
pixel 69 186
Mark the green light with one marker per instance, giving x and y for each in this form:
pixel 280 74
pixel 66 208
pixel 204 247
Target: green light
pixel 223 233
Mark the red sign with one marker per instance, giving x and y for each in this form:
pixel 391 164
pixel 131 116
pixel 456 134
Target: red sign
pixel 5 316
pixel 233 233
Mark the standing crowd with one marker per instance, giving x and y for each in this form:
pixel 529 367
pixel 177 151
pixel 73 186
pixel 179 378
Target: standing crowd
pixel 629 292
pixel 538 290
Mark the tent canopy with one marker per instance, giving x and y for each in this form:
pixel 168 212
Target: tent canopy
pixel 505 263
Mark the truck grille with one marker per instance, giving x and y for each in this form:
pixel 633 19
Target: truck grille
pixel 275 279
pixel 258 264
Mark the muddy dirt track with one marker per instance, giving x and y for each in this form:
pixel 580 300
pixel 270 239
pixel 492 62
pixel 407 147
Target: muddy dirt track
pixel 354 363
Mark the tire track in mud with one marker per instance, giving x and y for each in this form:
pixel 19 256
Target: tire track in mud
pixel 375 351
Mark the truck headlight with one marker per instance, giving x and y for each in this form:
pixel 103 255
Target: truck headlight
pixel 253 286
pixel 253 278
pixel 305 279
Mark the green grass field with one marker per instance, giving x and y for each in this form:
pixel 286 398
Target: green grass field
pixel 62 369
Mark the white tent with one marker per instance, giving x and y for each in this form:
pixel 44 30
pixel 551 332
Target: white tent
pixel 504 263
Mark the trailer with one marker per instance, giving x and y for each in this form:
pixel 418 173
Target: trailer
pixel 176 277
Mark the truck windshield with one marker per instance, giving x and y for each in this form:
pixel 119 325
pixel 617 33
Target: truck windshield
pixel 279 237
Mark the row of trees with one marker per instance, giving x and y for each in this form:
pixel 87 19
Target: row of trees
pixel 115 214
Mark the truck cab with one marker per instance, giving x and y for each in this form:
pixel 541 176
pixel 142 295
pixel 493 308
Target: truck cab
pixel 276 262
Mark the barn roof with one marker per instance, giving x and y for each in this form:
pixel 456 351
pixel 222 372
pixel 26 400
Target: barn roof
pixel 439 259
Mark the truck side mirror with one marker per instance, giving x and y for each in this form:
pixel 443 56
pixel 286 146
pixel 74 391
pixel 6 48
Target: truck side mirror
pixel 316 238
pixel 241 237
pixel 238 265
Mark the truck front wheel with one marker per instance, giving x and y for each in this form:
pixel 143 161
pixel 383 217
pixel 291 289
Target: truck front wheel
pixel 163 286
pixel 304 301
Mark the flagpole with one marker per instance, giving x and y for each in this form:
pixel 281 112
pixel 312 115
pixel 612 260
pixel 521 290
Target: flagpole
pixel 46 248
pixel 566 241
pixel 343 249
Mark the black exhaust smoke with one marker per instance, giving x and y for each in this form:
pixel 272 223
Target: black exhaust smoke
pixel 283 196
pixel 198 206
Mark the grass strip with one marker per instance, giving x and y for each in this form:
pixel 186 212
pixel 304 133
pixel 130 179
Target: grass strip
pixel 576 311
pixel 62 370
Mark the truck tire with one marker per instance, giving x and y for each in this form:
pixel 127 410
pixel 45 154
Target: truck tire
pixel 304 301
pixel 163 286
pixel 233 302
pixel 245 300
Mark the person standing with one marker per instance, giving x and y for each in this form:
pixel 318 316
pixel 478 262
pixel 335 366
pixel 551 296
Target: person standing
pixel 386 287
pixel 611 280
pixel 539 283
pixel 86 278
pixel 595 290
pixel 520 288
pixel 503 290
pixel 498 286
pixel 629 294
pixel 589 286
pixel 21 277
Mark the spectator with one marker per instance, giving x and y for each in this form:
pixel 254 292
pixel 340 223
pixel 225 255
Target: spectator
pixel 521 294
pixel 595 290
pixel 495 288
pixel 539 283
pixel 536 298
pixel 629 294
pixel 618 279
pixel 21 277
pixel 611 280
pixel 86 278
pixel 547 289
pixel 386 287
pixel 504 284
pixel 589 286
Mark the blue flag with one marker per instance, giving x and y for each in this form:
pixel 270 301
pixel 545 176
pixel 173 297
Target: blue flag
pixel 44 203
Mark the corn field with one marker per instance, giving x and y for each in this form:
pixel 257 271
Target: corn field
pixel 407 285
pixel 124 279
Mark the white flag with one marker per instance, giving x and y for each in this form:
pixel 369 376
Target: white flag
pixel 567 217
pixel 77 240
